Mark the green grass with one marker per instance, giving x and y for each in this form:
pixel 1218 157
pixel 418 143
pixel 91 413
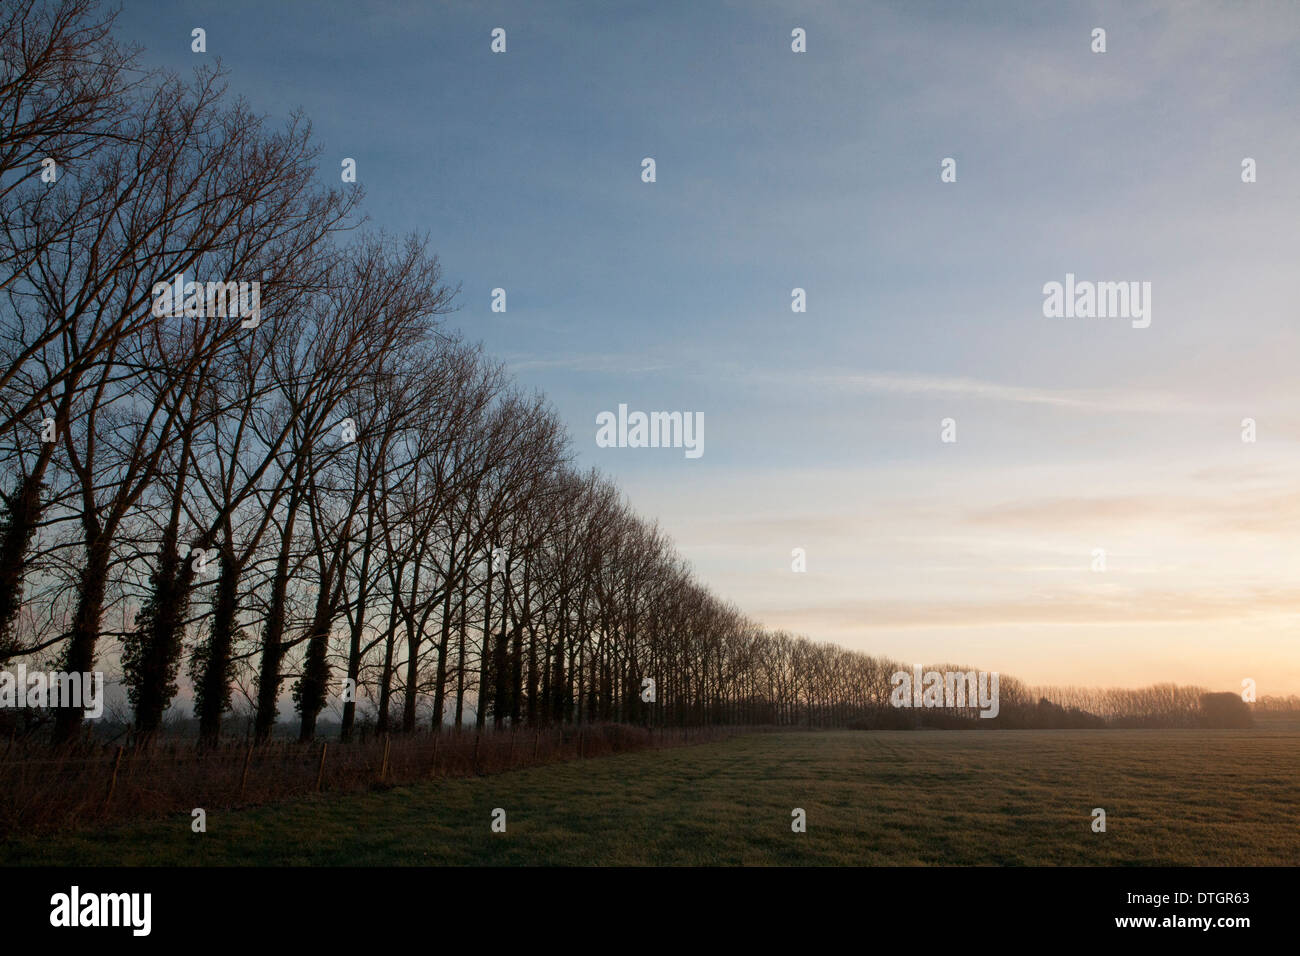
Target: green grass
pixel 928 797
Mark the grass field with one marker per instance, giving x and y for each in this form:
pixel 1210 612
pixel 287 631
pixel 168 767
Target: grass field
pixel 895 798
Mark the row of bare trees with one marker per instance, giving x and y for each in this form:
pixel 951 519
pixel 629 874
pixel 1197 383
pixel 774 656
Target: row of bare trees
pixel 1157 704
pixel 333 497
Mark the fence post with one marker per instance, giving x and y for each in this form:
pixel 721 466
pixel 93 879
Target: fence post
pixel 537 742
pixel 320 772
pixel 243 778
pixel 112 783
pixel 477 738
pixel 433 763
pixel 383 767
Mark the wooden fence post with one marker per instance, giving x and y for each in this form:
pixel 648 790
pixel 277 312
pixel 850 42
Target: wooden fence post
pixel 243 778
pixel 383 767
pixel 320 772
pixel 477 738
pixel 112 783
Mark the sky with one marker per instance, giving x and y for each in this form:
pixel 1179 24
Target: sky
pixel 820 170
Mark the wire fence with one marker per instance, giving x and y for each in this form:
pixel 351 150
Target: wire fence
pixel 93 784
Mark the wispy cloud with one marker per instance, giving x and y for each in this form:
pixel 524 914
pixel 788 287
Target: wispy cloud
pixel 1273 513
pixel 1112 607
pixel 839 380
pixel 615 363
pixel 941 386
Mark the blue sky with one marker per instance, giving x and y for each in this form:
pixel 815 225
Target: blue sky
pixel 820 170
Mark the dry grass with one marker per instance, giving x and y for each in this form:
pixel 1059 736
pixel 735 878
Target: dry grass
pixel 1224 798
pixel 94 785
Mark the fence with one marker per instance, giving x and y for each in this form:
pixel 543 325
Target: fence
pixel 43 789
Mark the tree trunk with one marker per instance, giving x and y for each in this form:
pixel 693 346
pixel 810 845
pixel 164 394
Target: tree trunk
pixel 79 656
pixel 212 684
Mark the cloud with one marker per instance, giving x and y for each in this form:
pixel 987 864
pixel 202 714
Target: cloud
pixel 882 383
pixel 1256 513
pixel 1109 608
pixel 940 386
pixel 611 363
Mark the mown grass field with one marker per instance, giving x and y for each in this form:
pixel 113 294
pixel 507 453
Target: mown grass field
pixel 872 798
